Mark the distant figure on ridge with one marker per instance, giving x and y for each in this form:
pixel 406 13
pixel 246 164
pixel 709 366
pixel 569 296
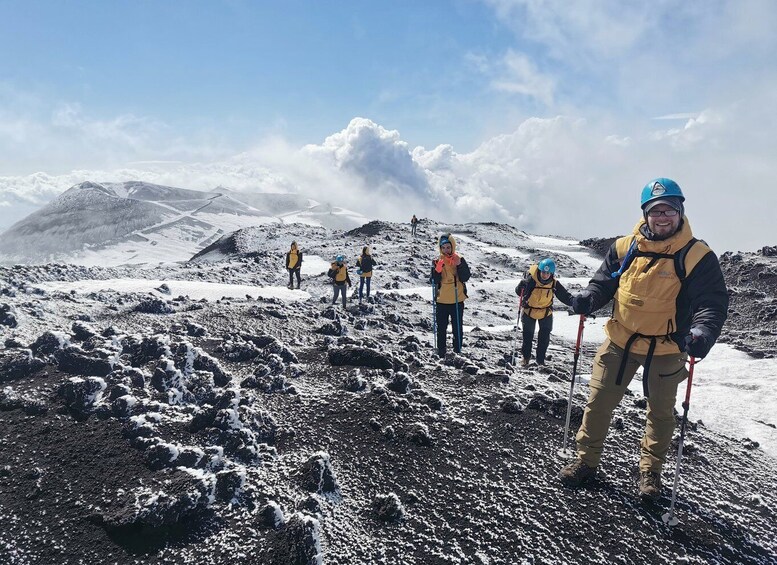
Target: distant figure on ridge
pixel 449 273
pixel 669 302
pixel 364 265
pixel 294 264
pixel 536 292
pixel 413 225
pixel 338 272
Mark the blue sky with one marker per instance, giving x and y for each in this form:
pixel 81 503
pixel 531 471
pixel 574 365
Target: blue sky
pixel 247 69
pixel 477 109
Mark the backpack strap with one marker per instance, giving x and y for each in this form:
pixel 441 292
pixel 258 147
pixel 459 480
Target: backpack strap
pixel 689 256
pixel 625 247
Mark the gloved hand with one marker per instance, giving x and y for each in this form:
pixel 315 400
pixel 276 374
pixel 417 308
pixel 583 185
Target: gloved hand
pixel 582 303
pixel 698 342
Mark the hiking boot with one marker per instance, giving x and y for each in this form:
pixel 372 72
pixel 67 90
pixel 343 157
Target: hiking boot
pixel 525 362
pixel 650 484
pixel 576 473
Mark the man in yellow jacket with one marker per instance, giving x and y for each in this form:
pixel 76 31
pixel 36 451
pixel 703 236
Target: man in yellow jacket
pixel 670 301
pixel 294 264
pixel 537 291
pixel 449 275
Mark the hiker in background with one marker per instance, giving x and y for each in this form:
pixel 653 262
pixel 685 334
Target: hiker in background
pixel 670 301
pixel 338 272
pixel 413 225
pixel 537 291
pixel 365 264
pixel 294 264
pixel 449 273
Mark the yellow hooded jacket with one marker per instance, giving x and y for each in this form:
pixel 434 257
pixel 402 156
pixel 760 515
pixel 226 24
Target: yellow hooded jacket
pixel 450 279
pixel 646 299
pixel 293 257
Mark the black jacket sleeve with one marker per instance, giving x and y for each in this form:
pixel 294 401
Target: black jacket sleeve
pixel 287 260
pixel 299 260
pixel 462 271
pixel 703 300
pixel 562 294
pixel 435 277
pixel 602 286
pixel 527 285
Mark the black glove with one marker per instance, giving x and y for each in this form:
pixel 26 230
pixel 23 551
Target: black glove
pixel 582 303
pixel 698 342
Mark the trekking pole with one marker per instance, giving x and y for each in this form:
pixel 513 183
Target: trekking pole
pixel 564 452
pixel 434 314
pixel 458 326
pixel 517 329
pixel 669 518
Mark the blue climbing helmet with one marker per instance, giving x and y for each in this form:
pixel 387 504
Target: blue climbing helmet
pixel 547 265
pixel 340 258
pixel 661 188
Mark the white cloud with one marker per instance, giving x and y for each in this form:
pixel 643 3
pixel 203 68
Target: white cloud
pixel 521 76
pixel 678 116
pixel 581 30
pixel 64 135
pixel 562 175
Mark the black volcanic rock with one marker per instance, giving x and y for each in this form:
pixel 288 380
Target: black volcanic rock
pixel 18 364
pixel 371 229
pixel 600 245
pixel 296 542
pixel 8 316
pixel 183 495
pixel 360 357
pixel 318 474
pixel 388 507
pixel 154 306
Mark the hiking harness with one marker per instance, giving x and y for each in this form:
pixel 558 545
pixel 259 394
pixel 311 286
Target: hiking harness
pixel 679 266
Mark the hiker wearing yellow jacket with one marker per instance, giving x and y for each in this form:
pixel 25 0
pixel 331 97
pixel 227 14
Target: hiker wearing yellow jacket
pixel 294 264
pixel 669 301
pixel 449 274
pixel 537 291
pixel 364 266
pixel 338 272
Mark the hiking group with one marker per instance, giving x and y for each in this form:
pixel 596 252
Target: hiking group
pixel 669 303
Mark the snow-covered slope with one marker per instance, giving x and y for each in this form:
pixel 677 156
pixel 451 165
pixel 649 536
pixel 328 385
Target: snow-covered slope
pixel 137 222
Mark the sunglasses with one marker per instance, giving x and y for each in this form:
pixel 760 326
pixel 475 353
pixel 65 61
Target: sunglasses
pixel 658 213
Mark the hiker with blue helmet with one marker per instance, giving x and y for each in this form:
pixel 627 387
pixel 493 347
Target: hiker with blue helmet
pixel 449 274
pixel 669 302
pixel 536 292
pixel 364 265
pixel 338 272
pixel 294 264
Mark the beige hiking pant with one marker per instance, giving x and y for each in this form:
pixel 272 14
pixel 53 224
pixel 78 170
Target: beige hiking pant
pixel 666 373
